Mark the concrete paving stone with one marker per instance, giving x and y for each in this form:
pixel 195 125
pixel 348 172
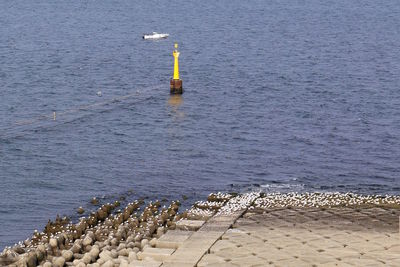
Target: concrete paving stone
pixel 189 225
pixel 381 260
pixel 221 245
pixel 314 226
pixel 157 254
pixel 341 237
pixel 340 253
pixel 228 237
pixel 291 263
pixel 306 236
pixel 364 247
pixel 196 251
pixel 318 259
pixel 323 243
pixel 268 229
pixel 344 226
pixel 306 253
pixel 222 264
pixel 250 244
pixel 262 238
pixel 177 264
pixel 225 218
pixel 215 227
pixel 242 226
pixel 345 244
pixel 194 245
pixel 269 223
pixel 266 237
pixel 341 210
pixel 200 234
pixel 233 253
pixel 199 242
pixel 246 217
pixel 235 232
pixel 249 241
pixel 395 234
pixel 336 263
pixel 393 262
pixel 247 220
pixel 281 223
pixel 275 255
pixel 210 259
pixel 265 249
pixel 232 233
pixel 188 255
pixel 299 219
pixel 190 245
pixel 374 211
pixel 173 239
pixel 359 236
pixel 248 223
pixel 319 214
pixel 146 263
pixel 258 217
pixel 281 242
pixel 385 241
pixel 362 260
pixel 297 250
pixel 383 255
pixel 249 230
pixel 342 247
pixel 327 230
pixel 281 213
pixel 249 261
pixel 392 249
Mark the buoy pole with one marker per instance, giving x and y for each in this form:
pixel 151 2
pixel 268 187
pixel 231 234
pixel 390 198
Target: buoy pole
pixel 176 83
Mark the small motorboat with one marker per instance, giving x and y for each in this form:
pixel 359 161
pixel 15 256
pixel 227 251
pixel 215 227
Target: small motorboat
pixel 155 36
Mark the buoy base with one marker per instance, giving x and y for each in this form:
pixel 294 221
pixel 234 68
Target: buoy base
pixel 176 86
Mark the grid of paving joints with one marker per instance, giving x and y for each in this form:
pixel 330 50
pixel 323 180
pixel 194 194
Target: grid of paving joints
pixel 199 243
pixel 195 233
pixel 310 237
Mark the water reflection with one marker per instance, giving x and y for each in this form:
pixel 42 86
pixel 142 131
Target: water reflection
pixel 175 127
pixel 175 101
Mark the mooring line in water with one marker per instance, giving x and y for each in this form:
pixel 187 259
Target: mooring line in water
pixel 58 116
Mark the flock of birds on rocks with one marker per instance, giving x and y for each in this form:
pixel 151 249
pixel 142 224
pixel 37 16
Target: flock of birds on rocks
pixel 104 238
pixel 317 200
pixel 109 237
pixel 206 209
pixel 238 203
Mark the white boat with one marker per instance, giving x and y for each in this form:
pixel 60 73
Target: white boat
pixel 155 36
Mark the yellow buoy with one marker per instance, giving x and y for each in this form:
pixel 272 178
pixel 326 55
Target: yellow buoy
pixel 176 62
pixel 176 83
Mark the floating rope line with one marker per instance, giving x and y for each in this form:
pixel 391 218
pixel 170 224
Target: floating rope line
pixel 16 129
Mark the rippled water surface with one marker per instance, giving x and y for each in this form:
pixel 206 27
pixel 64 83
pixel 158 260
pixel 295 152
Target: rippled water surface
pixel 279 95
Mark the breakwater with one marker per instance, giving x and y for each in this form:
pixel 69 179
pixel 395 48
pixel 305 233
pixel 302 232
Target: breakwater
pixel 113 234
